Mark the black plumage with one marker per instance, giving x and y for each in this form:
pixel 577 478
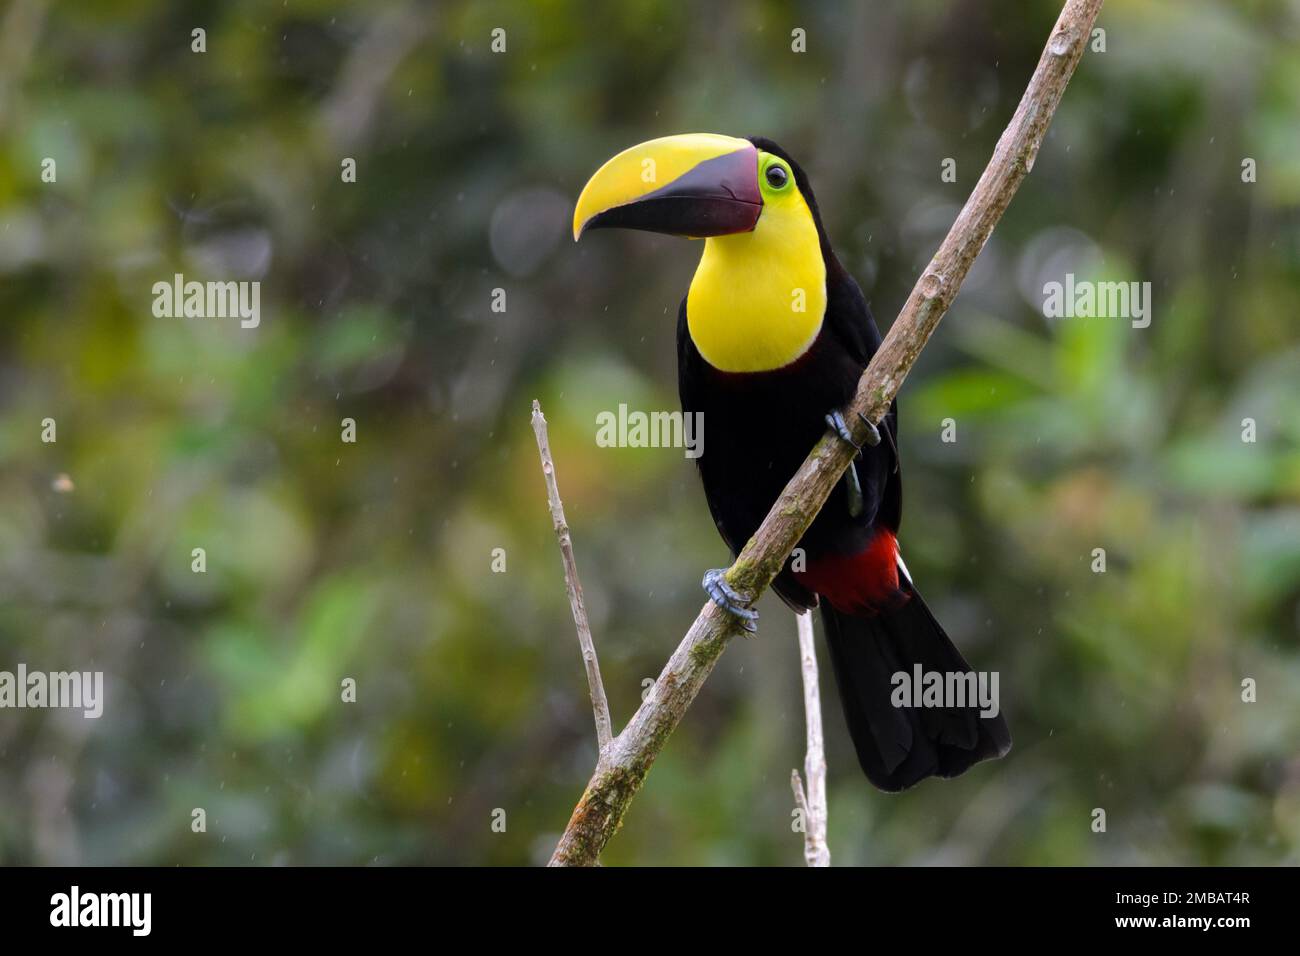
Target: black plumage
pixel 760 427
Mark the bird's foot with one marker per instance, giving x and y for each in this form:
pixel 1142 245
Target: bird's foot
pixel 835 420
pixel 729 599
pixel 852 485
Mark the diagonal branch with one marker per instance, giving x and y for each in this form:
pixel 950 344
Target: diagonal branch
pixel 622 768
pixel 599 705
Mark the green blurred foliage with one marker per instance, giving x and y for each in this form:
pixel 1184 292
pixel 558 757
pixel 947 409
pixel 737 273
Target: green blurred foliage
pixel 372 560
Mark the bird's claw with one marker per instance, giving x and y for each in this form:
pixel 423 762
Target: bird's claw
pixel 837 424
pixel 873 433
pixel 835 420
pixel 729 599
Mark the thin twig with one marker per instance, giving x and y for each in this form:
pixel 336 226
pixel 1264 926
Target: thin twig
pixel 621 772
pixel 800 797
pixel 813 800
pixel 599 705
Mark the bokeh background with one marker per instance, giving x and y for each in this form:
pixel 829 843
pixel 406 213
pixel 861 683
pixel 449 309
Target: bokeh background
pixel 373 560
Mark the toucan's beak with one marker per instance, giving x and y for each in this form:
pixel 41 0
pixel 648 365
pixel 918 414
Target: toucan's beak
pixel 696 184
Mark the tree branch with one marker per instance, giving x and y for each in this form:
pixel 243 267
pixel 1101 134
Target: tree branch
pixel 622 769
pixel 599 705
pixel 813 800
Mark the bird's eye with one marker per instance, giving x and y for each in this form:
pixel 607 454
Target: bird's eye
pixel 777 177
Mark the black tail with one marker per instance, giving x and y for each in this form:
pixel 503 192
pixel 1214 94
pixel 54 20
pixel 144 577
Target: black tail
pixel 900 746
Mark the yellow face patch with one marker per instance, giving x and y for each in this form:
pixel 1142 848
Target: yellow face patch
pixel 758 298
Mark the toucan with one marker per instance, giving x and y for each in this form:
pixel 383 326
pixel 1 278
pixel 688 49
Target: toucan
pixel 772 337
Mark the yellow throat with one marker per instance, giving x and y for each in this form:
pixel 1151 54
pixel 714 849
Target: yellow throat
pixel 757 300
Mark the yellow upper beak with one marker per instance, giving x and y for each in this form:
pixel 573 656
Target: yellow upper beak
pixel 723 197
